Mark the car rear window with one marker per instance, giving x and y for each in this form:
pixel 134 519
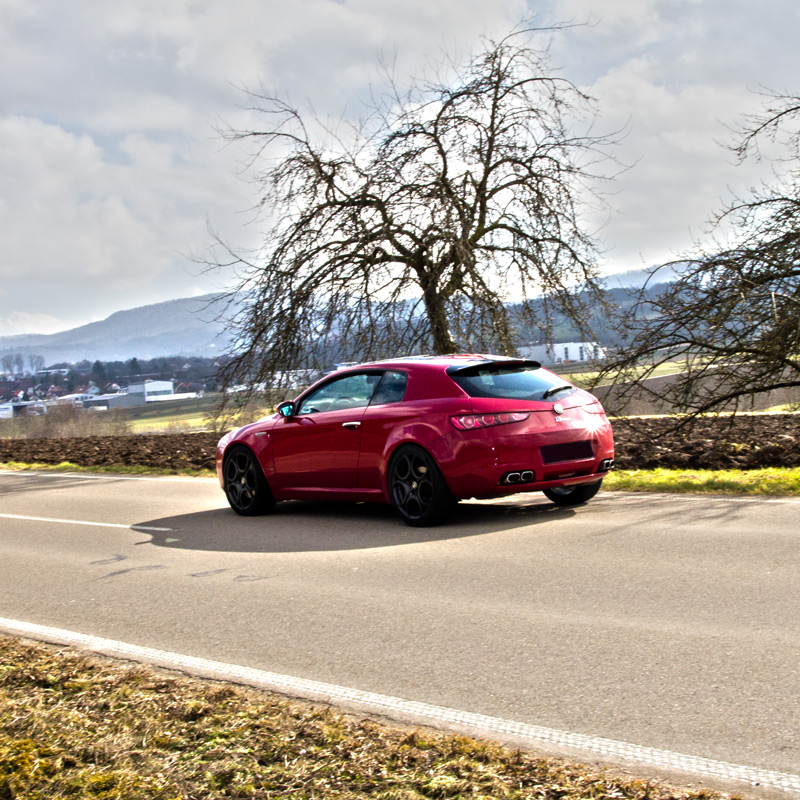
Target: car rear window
pixel 511 382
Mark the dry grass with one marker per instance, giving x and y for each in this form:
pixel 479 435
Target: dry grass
pixel 65 421
pixel 76 726
pixel 113 469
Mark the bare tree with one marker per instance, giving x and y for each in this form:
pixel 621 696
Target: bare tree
pixel 36 363
pixel 411 231
pixel 734 313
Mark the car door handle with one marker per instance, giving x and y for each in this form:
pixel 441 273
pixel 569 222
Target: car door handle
pixel 351 425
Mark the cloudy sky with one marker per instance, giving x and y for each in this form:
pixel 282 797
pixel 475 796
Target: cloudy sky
pixel 111 166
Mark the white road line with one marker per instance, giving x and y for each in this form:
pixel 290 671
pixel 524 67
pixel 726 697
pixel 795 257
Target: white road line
pixel 83 522
pixel 415 712
pixel 89 477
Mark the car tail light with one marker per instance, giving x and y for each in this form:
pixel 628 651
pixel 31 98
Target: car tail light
pixel 594 408
pixel 468 422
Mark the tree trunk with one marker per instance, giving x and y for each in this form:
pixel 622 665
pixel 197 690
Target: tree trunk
pixel 437 317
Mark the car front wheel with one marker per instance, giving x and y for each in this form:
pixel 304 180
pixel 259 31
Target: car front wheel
pixel 417 488
pixel 245 485
pixel 573 495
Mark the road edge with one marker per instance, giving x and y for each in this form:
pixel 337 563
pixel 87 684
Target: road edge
pixel 546 740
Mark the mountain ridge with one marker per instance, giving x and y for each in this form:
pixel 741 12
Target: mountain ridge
pixel 189 326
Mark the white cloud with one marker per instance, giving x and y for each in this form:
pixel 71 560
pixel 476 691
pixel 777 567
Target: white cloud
pixel 677 75
pixel 33 323
pixel 109 163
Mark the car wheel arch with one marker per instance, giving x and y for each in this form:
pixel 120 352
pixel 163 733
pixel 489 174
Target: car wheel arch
pixel 424 436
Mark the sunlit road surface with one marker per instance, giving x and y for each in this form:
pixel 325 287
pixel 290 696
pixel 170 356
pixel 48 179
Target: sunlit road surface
pixel 666 621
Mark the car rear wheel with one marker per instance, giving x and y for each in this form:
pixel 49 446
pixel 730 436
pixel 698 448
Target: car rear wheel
pixel 245 485
pixel 573 495
pixel 417 488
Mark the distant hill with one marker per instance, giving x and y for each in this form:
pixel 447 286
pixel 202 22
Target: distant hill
pixel 185 327
pixel 191 327
pixel 637 278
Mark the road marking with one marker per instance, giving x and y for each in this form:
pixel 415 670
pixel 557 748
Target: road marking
pixel 85 522
pixel 414 712
pixel 116 477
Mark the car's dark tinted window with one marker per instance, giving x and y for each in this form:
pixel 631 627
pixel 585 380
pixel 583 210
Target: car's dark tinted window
pixel 391 389
pixel 514 382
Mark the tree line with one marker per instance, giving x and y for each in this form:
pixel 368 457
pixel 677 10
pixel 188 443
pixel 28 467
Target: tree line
pixel 14 363
pixel 198 371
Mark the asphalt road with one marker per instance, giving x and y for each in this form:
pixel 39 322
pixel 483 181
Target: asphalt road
pixel 666 621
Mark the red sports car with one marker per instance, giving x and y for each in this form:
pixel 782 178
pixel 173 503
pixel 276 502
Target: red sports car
pixel 421 433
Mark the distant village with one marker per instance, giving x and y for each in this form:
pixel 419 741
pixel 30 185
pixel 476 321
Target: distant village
pixel 30 389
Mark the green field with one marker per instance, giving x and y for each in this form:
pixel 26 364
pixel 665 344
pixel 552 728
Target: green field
pixel 171 415
pixel 179 416
pixel 583 376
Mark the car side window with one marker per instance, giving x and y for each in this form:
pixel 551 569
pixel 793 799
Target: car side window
pixel 391 389
pixel 351 391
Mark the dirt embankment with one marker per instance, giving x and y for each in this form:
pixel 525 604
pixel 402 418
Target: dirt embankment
pixel 711 443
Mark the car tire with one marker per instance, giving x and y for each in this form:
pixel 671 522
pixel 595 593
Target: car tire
pixel 245 486
pixel 417 489
pixel 573 495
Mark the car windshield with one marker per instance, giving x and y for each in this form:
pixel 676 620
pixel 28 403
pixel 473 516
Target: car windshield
pixel 512 382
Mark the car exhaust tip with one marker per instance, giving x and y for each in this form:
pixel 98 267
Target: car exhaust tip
pixel 523 476
pixel 606 465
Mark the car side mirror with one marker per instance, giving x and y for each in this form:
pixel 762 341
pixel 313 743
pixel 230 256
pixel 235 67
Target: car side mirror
pixel 286 409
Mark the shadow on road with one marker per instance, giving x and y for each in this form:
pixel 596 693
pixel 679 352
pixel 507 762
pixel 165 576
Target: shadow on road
pixel 305 527
pixel 13 483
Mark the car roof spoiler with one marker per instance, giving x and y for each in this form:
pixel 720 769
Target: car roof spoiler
pixel 497 363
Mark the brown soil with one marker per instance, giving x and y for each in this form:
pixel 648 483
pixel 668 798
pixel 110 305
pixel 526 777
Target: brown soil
pixel 745 442
pixel 168 450
pixel 710 443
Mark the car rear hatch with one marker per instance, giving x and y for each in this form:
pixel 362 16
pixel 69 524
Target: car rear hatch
pixel 560 435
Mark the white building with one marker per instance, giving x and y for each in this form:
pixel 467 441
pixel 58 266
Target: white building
pixel 564 352
pixel 22 408
pixel 152 390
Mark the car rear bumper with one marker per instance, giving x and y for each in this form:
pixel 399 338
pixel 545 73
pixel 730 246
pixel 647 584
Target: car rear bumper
pixel 490 466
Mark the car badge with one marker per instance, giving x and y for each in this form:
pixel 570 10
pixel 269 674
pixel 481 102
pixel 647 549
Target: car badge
pixel 558 408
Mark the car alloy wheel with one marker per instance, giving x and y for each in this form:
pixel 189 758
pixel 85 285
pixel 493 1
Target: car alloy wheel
pixel 417 488
pixel 245 486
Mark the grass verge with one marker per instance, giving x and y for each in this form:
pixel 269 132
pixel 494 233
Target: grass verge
pixel 119 469
pixel 73 725
pixel 782 481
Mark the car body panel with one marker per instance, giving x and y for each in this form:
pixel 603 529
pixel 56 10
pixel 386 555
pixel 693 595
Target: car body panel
pixel 319 450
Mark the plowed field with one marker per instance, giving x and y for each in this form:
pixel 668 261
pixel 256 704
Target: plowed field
pixel 169 450
pixel 711 443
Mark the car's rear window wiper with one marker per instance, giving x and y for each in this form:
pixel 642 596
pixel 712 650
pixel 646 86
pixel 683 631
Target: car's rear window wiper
pixel 555 390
